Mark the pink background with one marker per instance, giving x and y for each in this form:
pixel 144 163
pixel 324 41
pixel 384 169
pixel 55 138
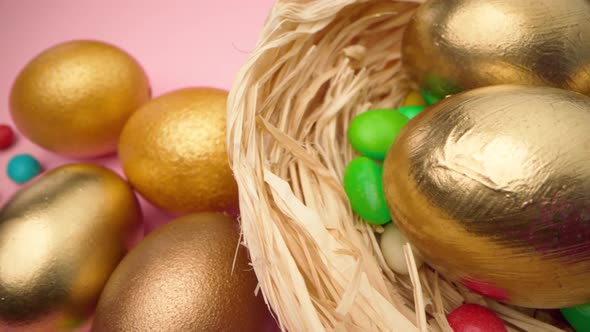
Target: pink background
pixel 180 43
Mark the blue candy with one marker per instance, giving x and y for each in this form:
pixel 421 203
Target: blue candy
pixel 22 168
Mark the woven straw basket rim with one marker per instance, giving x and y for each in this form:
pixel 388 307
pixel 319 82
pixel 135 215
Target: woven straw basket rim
pixel 317 64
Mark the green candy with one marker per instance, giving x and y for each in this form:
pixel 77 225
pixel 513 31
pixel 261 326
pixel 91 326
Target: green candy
pixel 429 98
pixel 411 111
pixel 364 187
pixel 372 133
pixel 440 87
pixel 578 317
pixel 437 88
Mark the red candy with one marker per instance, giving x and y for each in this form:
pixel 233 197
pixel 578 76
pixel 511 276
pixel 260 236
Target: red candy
pixel 6 137
pixel 475 318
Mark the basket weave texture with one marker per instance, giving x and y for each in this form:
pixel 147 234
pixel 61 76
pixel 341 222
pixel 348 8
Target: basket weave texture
pixel 318 64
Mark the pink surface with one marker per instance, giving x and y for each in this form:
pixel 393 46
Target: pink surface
pixel 180 43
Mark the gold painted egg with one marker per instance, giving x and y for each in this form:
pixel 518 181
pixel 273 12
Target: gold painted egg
pixel 183 277
pixel 60 239
pixel 492 187
pixel 455 45
pixel 173 151
pixel 74 98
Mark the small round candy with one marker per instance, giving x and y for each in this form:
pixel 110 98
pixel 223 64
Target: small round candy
pixel 411 111
pixel 364 188
pixel 475 318
pixel 372 133
pixel 578 317
pixel 6 136
pixel 23 168
pixel 414 99
pixel 392 246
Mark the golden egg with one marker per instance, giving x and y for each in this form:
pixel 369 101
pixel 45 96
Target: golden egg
pixel 173 151
pixel 60 239
pixel 74 98
pixel 183 277
pixel 492 187
pixel 451 46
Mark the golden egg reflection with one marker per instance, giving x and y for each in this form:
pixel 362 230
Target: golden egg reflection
pixel 451 46
pixel 60 239
pixel 492 187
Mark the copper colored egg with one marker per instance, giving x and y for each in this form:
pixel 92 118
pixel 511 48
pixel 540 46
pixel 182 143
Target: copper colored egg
pixel 455 45
pixel 492 187
pixel 185 277
pixel 60 239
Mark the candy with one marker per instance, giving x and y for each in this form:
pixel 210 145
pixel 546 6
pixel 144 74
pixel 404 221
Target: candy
pixel 362 183
pixel 6 137
pixel 430 98
pixel 414 99
pixel 23 168
pixel 474 317
pixel 392 246
pixel 372 133
pixel 411 111
pixel 578 317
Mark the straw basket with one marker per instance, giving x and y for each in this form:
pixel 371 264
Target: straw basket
pixel 317 64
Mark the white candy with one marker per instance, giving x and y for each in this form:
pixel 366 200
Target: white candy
pixel 392 247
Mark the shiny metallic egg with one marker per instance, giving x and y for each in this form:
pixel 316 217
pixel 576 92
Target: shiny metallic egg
pixel 174 153
pixel 188 275
pixel 456 45
pixel 492 187
pixel 74 98
pixel 60 239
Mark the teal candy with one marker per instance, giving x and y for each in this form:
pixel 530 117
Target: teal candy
pixel 372 133
pixel 23 168
pixel 364 187
pixel 578 317
pixel 411 111
pixel 429 98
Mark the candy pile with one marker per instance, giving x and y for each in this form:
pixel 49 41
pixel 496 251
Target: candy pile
pixel 371 134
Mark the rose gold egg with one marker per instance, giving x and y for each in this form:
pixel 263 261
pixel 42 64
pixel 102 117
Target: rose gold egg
pixel 185 276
